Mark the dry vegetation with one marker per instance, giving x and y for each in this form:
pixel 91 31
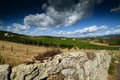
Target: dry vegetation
pixel 47 55
pixel 15 54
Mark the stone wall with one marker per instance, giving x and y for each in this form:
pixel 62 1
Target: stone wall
pixel 68 66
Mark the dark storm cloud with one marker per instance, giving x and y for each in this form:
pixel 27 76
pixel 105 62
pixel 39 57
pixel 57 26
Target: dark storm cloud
pixel 62 13
pixel 62 5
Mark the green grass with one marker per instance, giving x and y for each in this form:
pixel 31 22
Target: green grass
pixel 56 42
pixel 53 41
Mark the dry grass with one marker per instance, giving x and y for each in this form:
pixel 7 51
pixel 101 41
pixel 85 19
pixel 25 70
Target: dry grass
pixel 15 53
pixel 20 54
pixel 115 56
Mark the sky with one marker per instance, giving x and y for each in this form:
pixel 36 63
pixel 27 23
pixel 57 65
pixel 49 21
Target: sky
pixel 65 18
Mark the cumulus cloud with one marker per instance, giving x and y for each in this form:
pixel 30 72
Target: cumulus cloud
pixel 118 26
pixel 40 31
pixel 87 31
pixel 59 13
pixel 25 29
pixel 18 28
pixel 115 30
pixel 116 9
pixel 62 13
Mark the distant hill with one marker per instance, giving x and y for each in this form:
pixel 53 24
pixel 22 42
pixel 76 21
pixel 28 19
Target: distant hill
pixel 7 33
pixel 3 33
pixel 61 41
pixel 111 35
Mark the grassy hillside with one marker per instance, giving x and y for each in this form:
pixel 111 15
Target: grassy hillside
pixel 51 41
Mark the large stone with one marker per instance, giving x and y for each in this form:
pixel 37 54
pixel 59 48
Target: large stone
pixel 5 72
pixel 67 66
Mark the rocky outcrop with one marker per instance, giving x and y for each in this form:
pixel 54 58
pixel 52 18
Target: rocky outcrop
pixel 68 66
pixel 5 72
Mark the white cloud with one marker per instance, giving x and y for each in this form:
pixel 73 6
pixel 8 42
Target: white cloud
pixel 40 31
pixel 20 27
pixel 90 29
pixel 59 14
pixel 87 31
pixel 116 9
pixel 39 20
pixel 118 26
pixel 17 28
pixel 115 30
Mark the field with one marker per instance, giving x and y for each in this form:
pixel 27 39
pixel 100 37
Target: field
pixel 16 53
pixel 16 48
pixel 62 42
pixel 58 42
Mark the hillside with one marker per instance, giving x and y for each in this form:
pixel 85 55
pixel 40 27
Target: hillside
pixel 49 41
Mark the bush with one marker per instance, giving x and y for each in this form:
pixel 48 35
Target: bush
pixel 112 66
pixel 47 55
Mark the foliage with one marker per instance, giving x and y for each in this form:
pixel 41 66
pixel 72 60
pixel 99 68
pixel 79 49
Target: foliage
pixel 112 65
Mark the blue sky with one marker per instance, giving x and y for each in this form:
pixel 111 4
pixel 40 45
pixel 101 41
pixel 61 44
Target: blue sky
pixel 68 18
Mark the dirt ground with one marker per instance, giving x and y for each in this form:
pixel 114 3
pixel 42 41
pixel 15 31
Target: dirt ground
pixel 100 44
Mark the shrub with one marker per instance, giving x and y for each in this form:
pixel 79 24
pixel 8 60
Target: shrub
pixel 112 66
pixel 47 55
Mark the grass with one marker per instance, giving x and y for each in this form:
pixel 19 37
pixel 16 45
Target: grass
pixel 112 66
pixel 2 61
pixel 115 56
pixel 20 53
pixel 56 42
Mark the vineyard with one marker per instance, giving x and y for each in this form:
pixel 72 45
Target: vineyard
pixel 48 41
